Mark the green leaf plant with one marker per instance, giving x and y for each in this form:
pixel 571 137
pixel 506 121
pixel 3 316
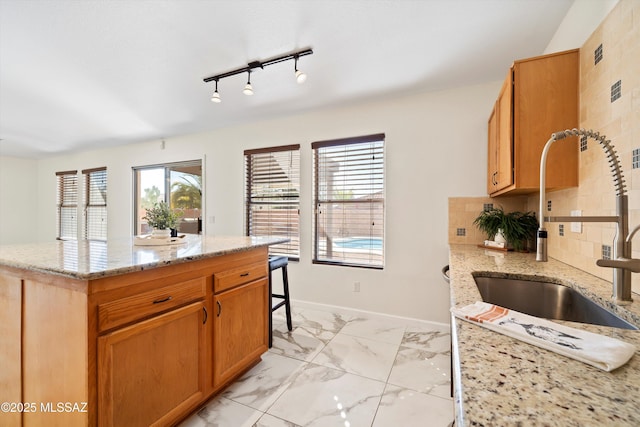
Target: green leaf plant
pixel 162 217
pixel 516 227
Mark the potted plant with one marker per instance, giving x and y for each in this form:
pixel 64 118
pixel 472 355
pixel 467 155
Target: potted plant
pixel 162 218
pixel 517 228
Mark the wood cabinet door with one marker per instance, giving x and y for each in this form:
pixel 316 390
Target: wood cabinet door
pixel 504 156
pixel 546 101
pixel 240 329
pixel 151 372
pixel 492 153
pixel 500 141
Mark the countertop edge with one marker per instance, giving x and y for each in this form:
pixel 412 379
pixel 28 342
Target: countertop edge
pixel 229 247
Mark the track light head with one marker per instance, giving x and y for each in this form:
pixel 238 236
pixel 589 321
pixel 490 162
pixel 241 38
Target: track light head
pixel 301 77
pixel 216 96
pixel 248 89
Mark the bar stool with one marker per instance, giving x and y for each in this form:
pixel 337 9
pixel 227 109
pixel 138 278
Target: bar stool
pixel 276 262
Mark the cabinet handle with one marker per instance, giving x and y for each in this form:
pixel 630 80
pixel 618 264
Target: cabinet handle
pixel 219 308
pixel 244 274
pixel 160 301
pixel 206 315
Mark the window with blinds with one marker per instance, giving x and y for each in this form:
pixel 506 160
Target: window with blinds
pixel 349 201
pixel 272 201
pixel 67 204
pixel 95 207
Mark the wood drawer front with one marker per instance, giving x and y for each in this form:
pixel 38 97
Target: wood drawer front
pixel 125 310
pixel 239 276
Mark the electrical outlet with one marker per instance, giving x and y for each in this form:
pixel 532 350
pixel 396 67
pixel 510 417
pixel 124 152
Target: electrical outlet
pixel 356 286
pixel 576 227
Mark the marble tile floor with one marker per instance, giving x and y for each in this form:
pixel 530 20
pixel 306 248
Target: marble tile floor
pixel 341 368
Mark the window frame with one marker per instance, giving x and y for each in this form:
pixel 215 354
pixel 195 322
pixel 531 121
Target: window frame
pixel 89 226
pixel 67 198
pixel 166 191
pixel 290 249
pixel 375 204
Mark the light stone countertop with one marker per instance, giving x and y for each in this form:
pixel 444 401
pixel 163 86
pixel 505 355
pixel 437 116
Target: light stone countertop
pixel 501 381
pixel 89 259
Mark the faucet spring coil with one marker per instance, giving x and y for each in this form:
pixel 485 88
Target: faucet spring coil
pixel 609 150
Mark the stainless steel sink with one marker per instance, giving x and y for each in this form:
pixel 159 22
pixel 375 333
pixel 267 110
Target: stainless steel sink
pixel 548 300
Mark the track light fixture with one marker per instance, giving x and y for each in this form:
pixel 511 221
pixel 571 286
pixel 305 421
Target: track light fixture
pixel 248 89
pixel 216 96
pixel 300 76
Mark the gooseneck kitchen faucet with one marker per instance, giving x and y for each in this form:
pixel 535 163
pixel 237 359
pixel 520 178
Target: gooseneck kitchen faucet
pixel 622 263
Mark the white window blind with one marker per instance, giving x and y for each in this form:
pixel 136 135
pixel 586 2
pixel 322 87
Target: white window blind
pixel 349 201
pixel 272 202
pixel 67 204
pixel 95 208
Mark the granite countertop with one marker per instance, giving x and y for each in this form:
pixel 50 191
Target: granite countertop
pixel 502 381
pixel 90 259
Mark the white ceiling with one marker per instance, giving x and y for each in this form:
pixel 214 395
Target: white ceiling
pixel 81 74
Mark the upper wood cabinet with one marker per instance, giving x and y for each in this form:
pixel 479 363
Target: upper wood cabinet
pixel 538 97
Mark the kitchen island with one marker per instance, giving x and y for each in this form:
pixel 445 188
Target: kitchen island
pixel 110 333
pixel 501 381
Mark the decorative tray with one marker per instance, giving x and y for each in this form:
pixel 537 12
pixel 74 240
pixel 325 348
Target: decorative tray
pixel 494 248
pixel 147 240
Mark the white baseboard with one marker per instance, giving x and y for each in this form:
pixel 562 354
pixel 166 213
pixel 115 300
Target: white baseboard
pixel 371 314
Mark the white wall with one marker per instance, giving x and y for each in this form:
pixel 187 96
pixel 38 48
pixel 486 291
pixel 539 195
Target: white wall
pixel 582 18
pixel 18 200
pixel 435 148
